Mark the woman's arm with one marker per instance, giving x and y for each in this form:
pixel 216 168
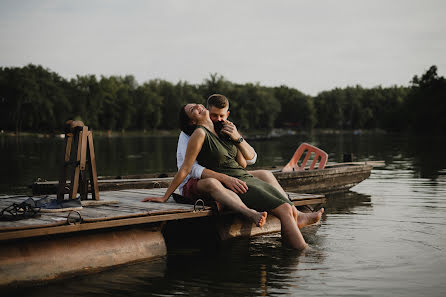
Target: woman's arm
pixel 193 148
pixel 197 169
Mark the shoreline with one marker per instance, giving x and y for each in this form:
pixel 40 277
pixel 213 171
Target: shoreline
pixel 271 133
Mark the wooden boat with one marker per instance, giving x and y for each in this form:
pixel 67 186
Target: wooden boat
pixel 335 177
pixel 116 230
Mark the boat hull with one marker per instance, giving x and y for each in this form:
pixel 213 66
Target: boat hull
pixel 327 180
pixel 335 178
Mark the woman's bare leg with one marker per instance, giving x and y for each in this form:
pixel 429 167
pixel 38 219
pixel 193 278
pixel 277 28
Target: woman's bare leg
pixel 228 198
pixel 268 177
pixel 290 232
pixel 302 219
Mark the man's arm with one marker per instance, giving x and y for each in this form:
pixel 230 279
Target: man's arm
pixel 236 185
pixel 253 160
pixel 247 151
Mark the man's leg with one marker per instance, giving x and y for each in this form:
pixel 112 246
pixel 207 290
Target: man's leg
pixel 302 219
pixel 268 177
pixel 214 188
pixel 291 234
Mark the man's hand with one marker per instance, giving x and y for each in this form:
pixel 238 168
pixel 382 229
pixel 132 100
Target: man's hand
pixel 236 185
pixel 230 129
pixel 153 199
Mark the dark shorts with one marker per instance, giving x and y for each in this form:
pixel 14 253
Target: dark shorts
pixel 190 190
pixel 191 194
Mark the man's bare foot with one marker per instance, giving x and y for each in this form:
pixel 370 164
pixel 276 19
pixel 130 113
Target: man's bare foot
pixel 260 218
pixel 305 219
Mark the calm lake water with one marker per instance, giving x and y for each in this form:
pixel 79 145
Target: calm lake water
pixel 385 237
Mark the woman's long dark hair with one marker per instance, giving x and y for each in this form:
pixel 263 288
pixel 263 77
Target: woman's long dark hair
pixel 184 121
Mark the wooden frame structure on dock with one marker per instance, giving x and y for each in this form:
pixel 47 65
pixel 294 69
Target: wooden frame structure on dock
pixel 81 160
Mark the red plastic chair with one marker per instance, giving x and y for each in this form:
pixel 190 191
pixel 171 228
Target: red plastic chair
pixel 293 164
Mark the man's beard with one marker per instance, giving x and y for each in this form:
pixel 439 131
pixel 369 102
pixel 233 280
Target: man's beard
pixel 218 125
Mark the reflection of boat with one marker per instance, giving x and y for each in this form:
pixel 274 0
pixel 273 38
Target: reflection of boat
pixel 346 202
pixel 333 178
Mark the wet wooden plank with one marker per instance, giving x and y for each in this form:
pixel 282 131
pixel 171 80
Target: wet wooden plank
pixel 101 225
pixel 129 205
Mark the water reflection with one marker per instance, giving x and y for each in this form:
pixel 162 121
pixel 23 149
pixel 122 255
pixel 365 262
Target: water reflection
pixel 242 267
pixel 126 280
pixel 347 202
pixel 427 153
pixel 200 265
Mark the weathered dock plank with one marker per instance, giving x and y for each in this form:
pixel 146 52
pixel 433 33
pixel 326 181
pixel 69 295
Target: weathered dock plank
pixel 125 208
pixel 128 211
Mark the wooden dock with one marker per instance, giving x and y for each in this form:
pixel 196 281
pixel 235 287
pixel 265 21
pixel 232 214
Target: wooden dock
pixel 116 230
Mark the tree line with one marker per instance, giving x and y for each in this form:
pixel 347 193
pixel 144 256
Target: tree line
pixel 36 99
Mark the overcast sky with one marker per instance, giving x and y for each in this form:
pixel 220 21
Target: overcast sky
pixel 309 45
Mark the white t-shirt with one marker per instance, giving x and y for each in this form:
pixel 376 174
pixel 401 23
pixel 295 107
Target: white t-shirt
pixel 197 169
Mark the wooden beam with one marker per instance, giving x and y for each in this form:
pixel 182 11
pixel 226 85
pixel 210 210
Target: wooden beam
pixel 92 168
pixel 101 225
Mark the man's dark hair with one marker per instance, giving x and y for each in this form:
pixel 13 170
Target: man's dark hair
pixel 184 121
pixel 218 101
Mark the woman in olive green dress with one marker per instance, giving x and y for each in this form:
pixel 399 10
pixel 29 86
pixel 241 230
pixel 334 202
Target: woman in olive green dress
pixel 222 156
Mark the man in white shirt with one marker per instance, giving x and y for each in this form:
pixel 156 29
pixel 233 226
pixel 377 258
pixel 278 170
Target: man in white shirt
pixel 204 183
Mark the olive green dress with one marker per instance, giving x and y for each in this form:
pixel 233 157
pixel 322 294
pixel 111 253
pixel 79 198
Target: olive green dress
pixel 220 155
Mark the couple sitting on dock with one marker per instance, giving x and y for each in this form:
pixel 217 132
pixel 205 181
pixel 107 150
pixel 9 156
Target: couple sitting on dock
pixel 209 138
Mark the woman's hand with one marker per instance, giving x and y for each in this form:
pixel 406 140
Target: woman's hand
pixel 154 199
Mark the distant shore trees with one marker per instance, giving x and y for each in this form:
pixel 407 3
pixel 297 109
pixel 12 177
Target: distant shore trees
pixel 36 99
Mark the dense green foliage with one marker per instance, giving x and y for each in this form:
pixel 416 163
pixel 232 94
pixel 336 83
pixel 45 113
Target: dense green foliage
pixel 36 99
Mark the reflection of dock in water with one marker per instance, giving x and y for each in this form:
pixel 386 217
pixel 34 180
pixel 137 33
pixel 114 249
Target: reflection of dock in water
pixel 346 202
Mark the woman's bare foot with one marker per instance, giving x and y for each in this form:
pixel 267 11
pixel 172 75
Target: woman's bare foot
pixel 305 219
pixel 260 218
